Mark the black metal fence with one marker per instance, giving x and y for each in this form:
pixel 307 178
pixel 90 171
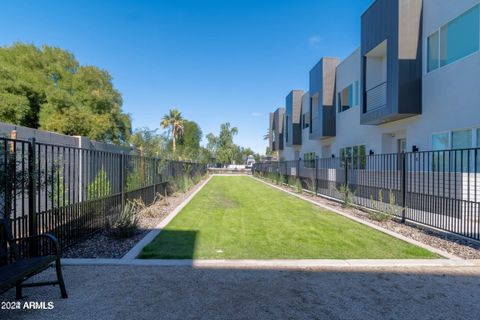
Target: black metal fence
pixel 440 189
pixel 70 192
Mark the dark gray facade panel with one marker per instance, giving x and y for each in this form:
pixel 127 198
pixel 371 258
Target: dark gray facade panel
pixel 394 21
pixel 322 85
pixel 293 112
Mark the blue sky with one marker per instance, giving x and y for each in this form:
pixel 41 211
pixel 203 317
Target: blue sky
pixel 216 61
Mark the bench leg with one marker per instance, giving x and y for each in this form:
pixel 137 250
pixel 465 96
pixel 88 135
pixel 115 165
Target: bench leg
pixel 60 279
pixel 18 290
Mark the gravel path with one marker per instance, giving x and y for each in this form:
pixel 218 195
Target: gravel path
pixel 458 246
pixel 139 292
pixel 101 245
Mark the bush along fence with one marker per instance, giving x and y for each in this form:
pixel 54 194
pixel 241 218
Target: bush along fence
pixel 71 192
pixel 440 189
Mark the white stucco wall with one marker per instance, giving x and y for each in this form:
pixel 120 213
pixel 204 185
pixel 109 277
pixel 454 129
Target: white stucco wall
pixel 450 98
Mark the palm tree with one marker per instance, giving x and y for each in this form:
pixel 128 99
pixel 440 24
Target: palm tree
pixel 174 122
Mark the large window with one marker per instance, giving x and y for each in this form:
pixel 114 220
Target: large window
pixel 356 156
pixel 309 160
pixel 440 141
pixel 478 138
pixel 462 140
pixel 455 40
pixel 433 52
pixel 305 120
pixel 345 99
pixel 286 128
pixel 357 88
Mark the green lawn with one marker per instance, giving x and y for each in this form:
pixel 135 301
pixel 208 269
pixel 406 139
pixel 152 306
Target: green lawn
pixel 240 218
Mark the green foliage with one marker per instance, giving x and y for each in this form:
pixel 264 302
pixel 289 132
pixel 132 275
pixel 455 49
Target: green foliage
pixel 152 143
pixel 384 211
pixel 100 186
pixel 125 225
pixel 47 88
pixel 189 143
pixel 295 183
pixel 174 122
pixel 346 195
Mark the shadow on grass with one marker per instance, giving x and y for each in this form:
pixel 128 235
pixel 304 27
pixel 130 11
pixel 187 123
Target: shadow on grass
pixel 171 244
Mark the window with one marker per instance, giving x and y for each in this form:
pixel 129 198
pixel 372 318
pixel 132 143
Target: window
pixel 305 119
pixel 286 128
pixel 461 140
pixel 440 141
pixel 356 93
pixel 432 52
pixel 345 99
pixel 478 138
pixel 356 156
pixel 455 40
pixel 460 37
pixel 309 160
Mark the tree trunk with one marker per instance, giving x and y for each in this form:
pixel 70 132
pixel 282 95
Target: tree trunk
pixel 174 133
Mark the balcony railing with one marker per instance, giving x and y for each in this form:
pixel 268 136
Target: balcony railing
pixel 377 97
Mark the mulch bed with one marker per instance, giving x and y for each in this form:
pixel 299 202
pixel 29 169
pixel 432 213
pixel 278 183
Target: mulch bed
pixel 102 245
pixel 451 243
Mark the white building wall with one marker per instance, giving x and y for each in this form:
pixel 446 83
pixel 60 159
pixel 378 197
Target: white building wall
pixel 450 98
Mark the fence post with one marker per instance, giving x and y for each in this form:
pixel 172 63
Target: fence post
pixel 32 211
pixel 122 179
pixel 346 171
pixel 155 173
pixel 403 186
pixel 316 176
pixel 298 168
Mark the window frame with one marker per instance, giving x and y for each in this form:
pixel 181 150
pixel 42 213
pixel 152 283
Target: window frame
pixel 425 42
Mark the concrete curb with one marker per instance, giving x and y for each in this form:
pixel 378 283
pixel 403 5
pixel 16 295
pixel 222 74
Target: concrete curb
pixel 277 263
pixel 374 226
pixel 135 251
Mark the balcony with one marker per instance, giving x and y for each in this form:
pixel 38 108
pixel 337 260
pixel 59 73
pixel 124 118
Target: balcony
pixel 391 63
pixel 376 97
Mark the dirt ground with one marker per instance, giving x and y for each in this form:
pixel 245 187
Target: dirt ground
pixel 152 292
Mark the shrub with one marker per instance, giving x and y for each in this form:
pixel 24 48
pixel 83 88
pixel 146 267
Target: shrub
pixel 100 186
pixel 125 225
pixel 346 195
pixel 384 211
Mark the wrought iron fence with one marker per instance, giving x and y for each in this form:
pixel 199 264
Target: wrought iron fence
pixel 70 192
pixel 440 189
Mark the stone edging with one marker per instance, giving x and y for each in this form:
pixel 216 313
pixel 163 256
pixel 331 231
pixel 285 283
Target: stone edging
pixel 135 251
pixel 374 226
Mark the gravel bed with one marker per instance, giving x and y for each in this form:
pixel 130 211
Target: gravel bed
pixel 101 245
pixel 456 245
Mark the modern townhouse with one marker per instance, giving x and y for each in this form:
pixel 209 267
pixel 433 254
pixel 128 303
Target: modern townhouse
pixel 412 85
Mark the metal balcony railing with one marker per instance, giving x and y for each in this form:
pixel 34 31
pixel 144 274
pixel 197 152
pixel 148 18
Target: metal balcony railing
pixel 377 97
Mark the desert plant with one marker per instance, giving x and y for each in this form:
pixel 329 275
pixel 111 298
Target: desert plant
pixel 125 224
pixel 384 211
pixel 346 195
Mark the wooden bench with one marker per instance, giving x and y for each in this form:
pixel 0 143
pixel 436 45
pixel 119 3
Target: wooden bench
pixel 23 258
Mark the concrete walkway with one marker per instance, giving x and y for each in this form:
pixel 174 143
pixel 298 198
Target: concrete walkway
pixel 152 292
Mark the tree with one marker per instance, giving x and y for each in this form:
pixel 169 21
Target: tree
pixel 189 141
pixel 175 123
pixel 223 146
pixel 152 143
pixel 47 88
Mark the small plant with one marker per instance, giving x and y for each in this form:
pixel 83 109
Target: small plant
pixel 384 211
pixel 125 225
pixel 346 195
pixel 278 180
